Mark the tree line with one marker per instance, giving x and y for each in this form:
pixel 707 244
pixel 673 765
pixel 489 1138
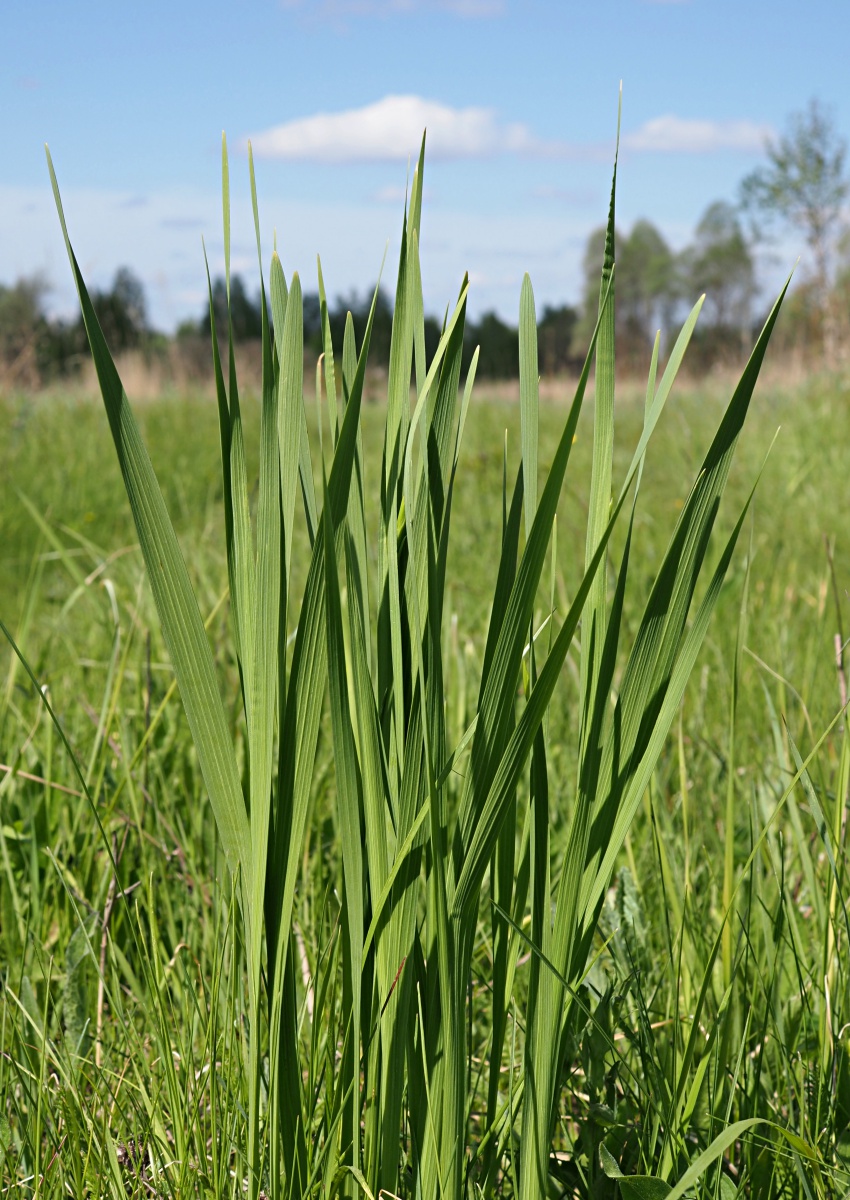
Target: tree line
pixel 497 340
pixel 802 185
pixel 35 348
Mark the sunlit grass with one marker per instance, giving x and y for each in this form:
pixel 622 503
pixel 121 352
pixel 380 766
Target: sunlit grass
pixel 488 898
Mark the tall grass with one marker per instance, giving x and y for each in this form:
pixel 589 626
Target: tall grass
pixel 361 1048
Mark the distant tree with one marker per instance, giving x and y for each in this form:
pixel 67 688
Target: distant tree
pixel 842 269
pixel 245 313
pixel 312 311
pixel 189 329
pixel 62 348
pixel 646 283
pixel 359 304
pixel 128 294
pixel 433 333
pixel 247 320
pixel 803 185
pixel 21 325
pixel 34 348
pixel 720 264
pixel 554 339
pixel 122 312
pixel 499 342
pixel 841 287
pixel 646 289
pixel 591 270
pixel 499 347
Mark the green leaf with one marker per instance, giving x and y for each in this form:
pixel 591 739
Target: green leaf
pixel 349 803
pixel 529 397
pixel 608 1163
pixel 496 698
pixel 305 693
pixel 594 620
pixel 643 1187
pixel 710 1155
pixel 5 1138
pixel 76 999
pixel 290 414
pixel 181 621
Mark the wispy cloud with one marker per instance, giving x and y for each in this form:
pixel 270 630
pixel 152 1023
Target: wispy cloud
pixel 340 9
pixel 396 195
pixel 679 135
pixel 391 129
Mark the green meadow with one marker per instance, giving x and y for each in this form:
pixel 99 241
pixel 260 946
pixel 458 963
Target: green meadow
pixel 481 830
pixel 65 516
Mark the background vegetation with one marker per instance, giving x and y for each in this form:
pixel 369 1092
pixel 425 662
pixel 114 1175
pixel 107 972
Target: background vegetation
pixel 73 591
pixel 705 1045
pixel 799 191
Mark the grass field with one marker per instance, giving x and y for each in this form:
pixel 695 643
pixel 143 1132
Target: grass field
pixel 56 453
pixel 73 591
pixel 498 844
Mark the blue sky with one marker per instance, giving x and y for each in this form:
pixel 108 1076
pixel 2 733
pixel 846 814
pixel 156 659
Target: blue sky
pixel 520 100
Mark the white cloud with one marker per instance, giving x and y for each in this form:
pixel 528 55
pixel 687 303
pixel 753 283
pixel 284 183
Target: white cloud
pixel 337 9
pixel 391 194
pixel 671 134
pixel 391 129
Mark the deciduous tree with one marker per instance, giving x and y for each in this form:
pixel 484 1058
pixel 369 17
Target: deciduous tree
pixel 803 186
